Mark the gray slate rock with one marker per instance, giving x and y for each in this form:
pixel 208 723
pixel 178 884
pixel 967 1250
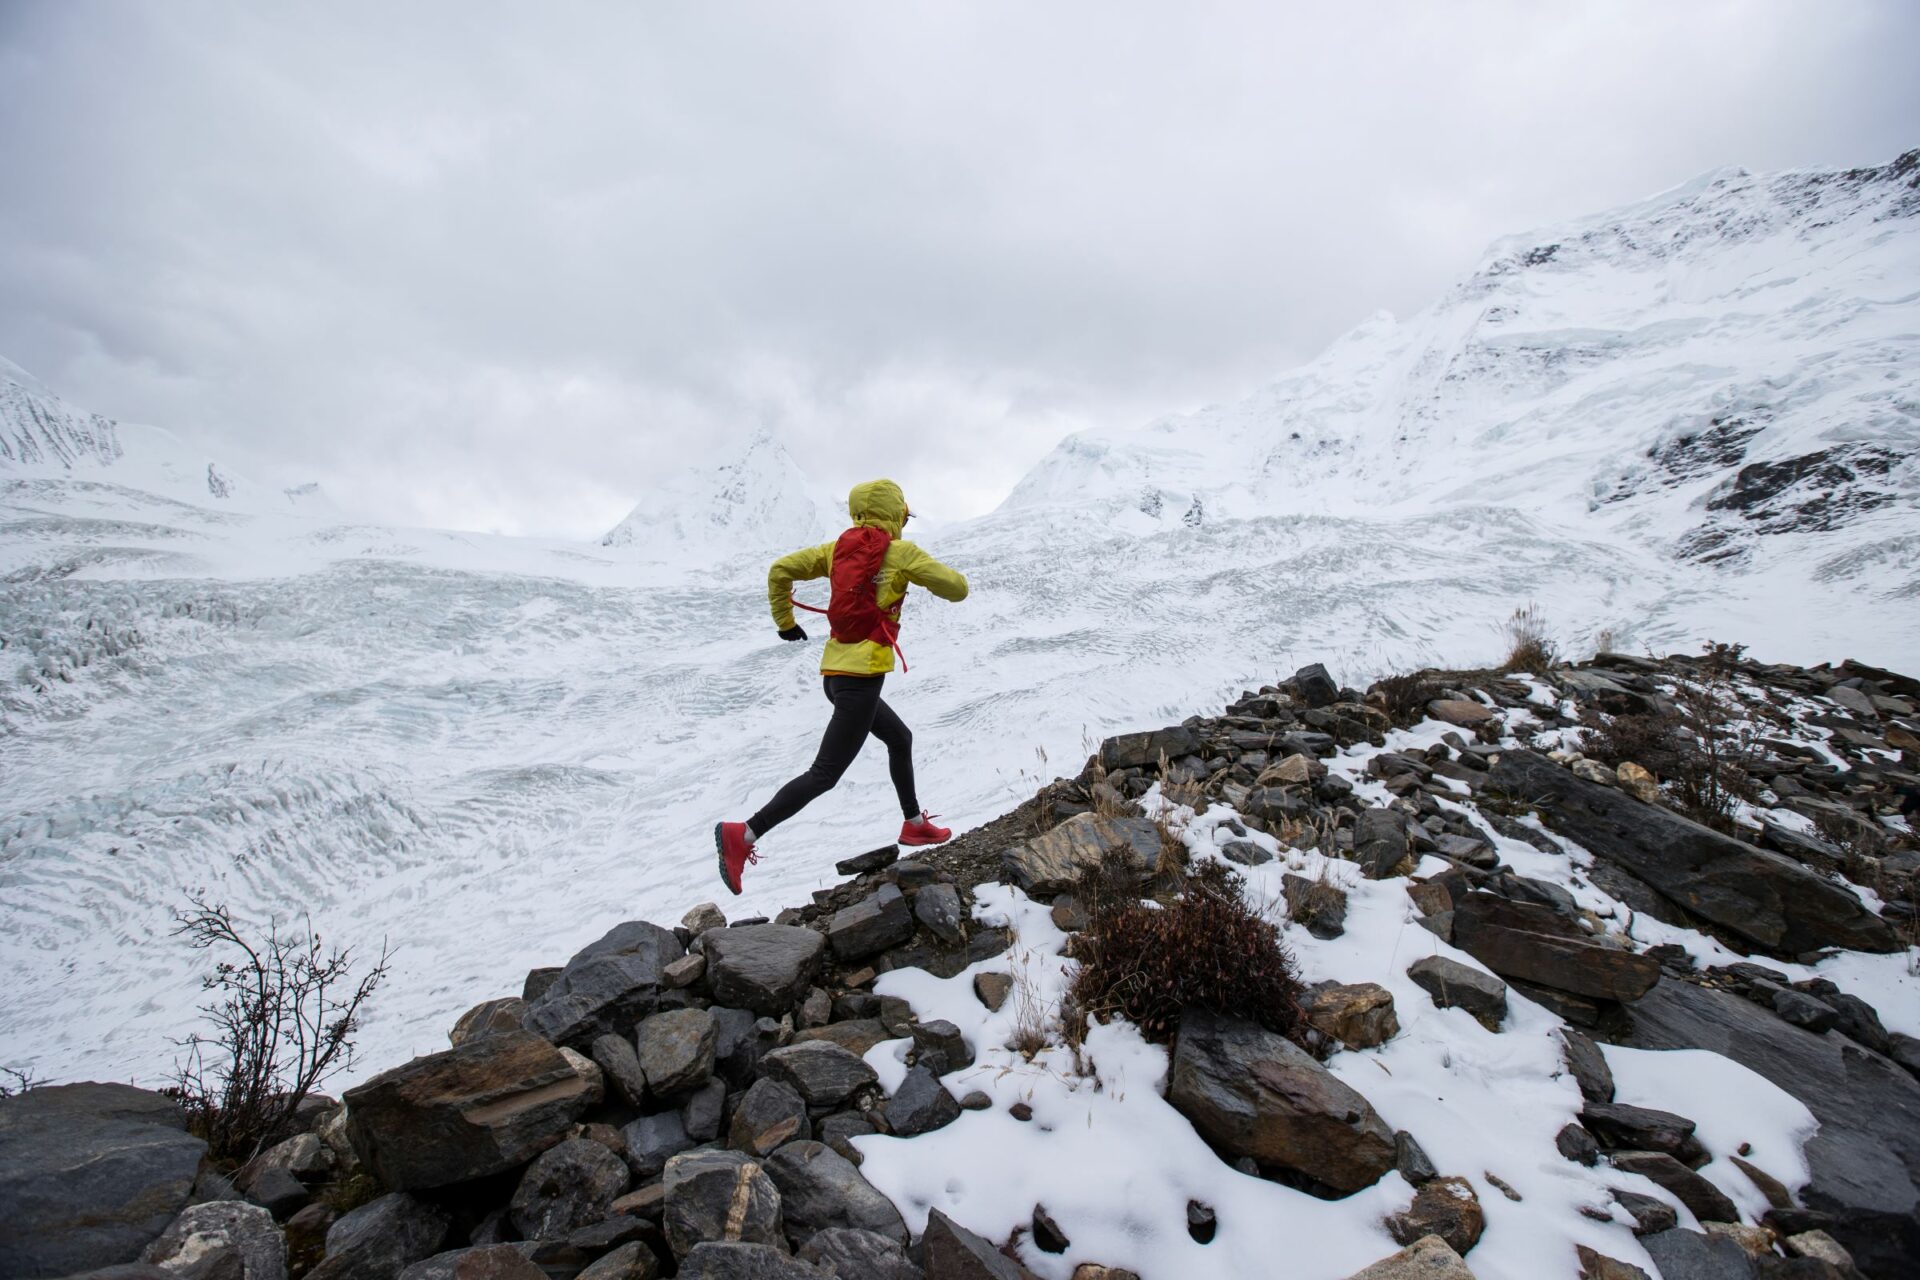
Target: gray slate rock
pixel 954 1253
pixel 921 1104
pixel 90 1174
pixel 820 1071
pixel 1379 841
pixel 701 1114
pixel 851 1254
pixel 937 908
pixel 763 967
pixel 382 1238
pixel 1143 750
pixel 820 1189
pixel 654 1140
pixel 505 1014
pixel 740 1038
pixel 1252 1093
pixel 939 1037
pixel 1708 1202
pixel 1316 686
pixel 880 920
pixel 716 1261
pixel 772 1113
pixel 872 860
pixel 481 1262
pixel 620 1066
pixel 608 987
pixel 245 1232
pixel 676 1050
pixel 630 1261
pixel 1456 986
pixel 568 1187
pixel 1588 1064
pixel 722 1196
pixel 1689 1255
pixel 1082 846
pixel 483 1108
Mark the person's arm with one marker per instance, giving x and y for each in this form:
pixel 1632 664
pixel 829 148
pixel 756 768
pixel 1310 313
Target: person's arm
pixel 800 566
pixel 924 571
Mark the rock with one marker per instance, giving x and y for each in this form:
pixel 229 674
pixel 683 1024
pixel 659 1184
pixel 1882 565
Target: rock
pixel 485 1262
pixel 610 1232
pixel 1081 846
pixel 993 989
pixel 676 1051
pixel 739 1041
pixel 1533 943
pixel 1203 1223
pixel 278 1192
pixel 764 967
pixel 1595 772
pixel 620 1066
pixel 852 1254
pixel 1589 1066
pixel 1245 853
pixel 243 1232
pixel 1046 1233
pixel 1276 806
pixel 1411 1159
pixel 685 971
pixel 871 925
pixel 770 1114
pixel 1620 1126
pixel 1818 1244
pixel 569 1186
pixel 721 1261
pixel 819 1071
pixel 1598 1266
pixel 837 1130
pixel 1864 1160
pixel 955 1253
pixel 872 860
pixel 485 1107
pixel 1315 685
pixel 382 1238
pixel 920 1105
pixel 1460 711
pixel 654 1140
pixel 1320 906
pixel 1803 1010
pixel 720 1196
pixel 485 1019
pixel 1858 1020
pixel 608 987
pixel 856 1036
pixel 937 908
pixel 1455 986
pixel 1577 1144
pixel 1772 1188
pixel 1428 1259
pixel 1144 750
pixel 306 1236
pixel 707 915
pixel 1637 782
pixel 1760 896
pixel 1444 1207
pixel 1359 1016
pixel 1252 1093
pixel 631 1261
pixel 1708 1202
pixel 819 1190
pixel 939 1045
pixel 303 1155
pixel 1649 1215
pixel 538 983
pixel 1689 1255
pixel 1379 841
pixel 90 1174
pixel 589 1071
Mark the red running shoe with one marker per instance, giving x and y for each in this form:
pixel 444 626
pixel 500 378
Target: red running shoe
pixel 730 843
pixel 921 830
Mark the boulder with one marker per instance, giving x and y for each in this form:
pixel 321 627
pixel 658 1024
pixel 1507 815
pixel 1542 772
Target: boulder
pixel 244 1232
pixel 568 1187
pixel 720 1261
pixel 1082 846
pixel 1379 841
pixel 852 1254
pixel 676 1051
pixel 1456 986
pixel 937 908
pixel 856 1036
pixel 838 1130
pixel 765 968
pixel 1252 1093
pixel 1534 944
pixel 485 1107
pixel 632 1260
pixel 704 1109
pixel 481 1262
pixel 819 1071
pixel 770 1114
pixel 820 1189
pixel 872 860
pixel 1708 1202
pixel 303 1155
pixel 1428 1259
pixel 1864 1160
pixel 1444 1207
pixel 1588 1064
pixel 1620 1126
pixel 1760 896
pixel 382 1238
pixel 954 1253
pixel 703 917
pixel 740 1037
pixel 1688 1255
pixel 939 1045
pixel 1576 1144
pixel 920 1105
pixel 504 1014
pixel 1463 712
pixel 608 987
pixel 880 920
pixel 620 1067
pixel 653 1140
pixel 721 1196
pixel 90 1174
pixel 1359 1016
pixel 1315 685
pixel 1144 750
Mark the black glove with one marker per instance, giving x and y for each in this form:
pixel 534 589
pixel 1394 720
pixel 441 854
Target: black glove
pixel 794 632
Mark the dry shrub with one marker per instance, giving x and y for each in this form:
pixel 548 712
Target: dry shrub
pixel 1208 949
pixel 1531 648
pixel 1406 697
pixel 1029 1010
pixel 1654 742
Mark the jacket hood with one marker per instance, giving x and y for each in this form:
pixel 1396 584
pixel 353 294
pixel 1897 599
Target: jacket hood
pixel 878 504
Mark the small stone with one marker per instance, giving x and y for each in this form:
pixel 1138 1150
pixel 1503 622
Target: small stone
pixel 1594 771
pixel 1598 1266
pixel 486 1019
pixel 920 1105
pixel 771 1113
pixel 620 1065
pixel 1803 1010
pixel 1046 1233
pixel 992 989
pixel 1502 1186
pixel 873 860
pixel 1589 1066
pixel 1410 1159
pixel 1245 853
pixel 1649 1215
pixel 1769 1186
pixel 1460 712
pixel 654 1140
pixel 588 1070
pixel 1577 1145
pixel 631 1260
pixel 1202 1222
pixel 976 1101
pixel 1708 1202
pixel 1637 782
pixel 685 971
pixel 942 1038
pixel 853 1254
pixel 937 908
pixel 871 925
pixel 1818 1244
pixel 707 915
pixel 701 1113
pixel 1359 1016
pixel 817 1009
pixel 838 1129
pixel 1455 986
pixel 955 1253
pixel 1444 1207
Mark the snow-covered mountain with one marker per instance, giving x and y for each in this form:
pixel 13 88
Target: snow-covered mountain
pixel 38 429
pixel 490 749
pixel 1728 372
pixel 759 502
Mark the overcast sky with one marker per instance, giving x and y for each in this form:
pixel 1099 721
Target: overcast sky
pixel 496 266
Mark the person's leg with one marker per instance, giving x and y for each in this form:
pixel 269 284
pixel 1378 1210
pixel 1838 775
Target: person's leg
pixel 893 731
pixel 855 700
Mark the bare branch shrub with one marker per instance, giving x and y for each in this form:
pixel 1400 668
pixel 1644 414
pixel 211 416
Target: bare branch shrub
pixel 1531 647
pixel 284 1012
pixel 17 1081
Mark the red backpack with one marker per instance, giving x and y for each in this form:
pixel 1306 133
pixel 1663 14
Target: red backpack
pixel 853 612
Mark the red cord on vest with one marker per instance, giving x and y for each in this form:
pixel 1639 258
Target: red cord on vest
pixel 892 634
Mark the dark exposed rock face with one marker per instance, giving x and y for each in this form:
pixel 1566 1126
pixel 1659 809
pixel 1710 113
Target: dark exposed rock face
pixel 881 920
pixel 482 1108
pixel 676 1051
pixel 1252 1093
pixel 1768 900
pixel 1141 750
pixel 770 1114
pixel 90 1174
pixel 1864 1158
pixel 819 1071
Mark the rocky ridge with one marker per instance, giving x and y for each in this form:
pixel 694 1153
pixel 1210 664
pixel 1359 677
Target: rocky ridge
pixel 684 1099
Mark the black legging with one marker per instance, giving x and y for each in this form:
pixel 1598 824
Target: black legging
pixel 857 711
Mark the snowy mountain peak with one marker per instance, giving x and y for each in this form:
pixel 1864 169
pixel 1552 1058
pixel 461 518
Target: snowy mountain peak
pixel 38 429
pixel 759 502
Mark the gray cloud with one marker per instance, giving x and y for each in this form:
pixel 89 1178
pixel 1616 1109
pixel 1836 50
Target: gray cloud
pixel 493 266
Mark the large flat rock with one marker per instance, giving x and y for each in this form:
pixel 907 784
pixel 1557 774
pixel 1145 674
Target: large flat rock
pixel 1080 847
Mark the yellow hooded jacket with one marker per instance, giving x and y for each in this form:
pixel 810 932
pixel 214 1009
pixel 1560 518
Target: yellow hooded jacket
pixel 877 504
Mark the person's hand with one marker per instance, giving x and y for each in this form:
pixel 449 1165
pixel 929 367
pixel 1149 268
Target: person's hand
pixel 794 632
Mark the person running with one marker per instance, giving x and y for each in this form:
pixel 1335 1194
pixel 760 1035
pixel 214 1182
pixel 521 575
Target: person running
pixel 870 568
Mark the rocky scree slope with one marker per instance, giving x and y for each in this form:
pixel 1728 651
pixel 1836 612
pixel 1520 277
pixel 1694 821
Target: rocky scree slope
pixel 702 1099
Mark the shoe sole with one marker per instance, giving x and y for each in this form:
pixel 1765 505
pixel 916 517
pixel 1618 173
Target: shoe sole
pixel 720 856
pixel 922 844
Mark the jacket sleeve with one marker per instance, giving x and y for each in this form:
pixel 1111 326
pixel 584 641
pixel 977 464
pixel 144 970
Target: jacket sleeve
pixel 924 571
pixel 799 566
